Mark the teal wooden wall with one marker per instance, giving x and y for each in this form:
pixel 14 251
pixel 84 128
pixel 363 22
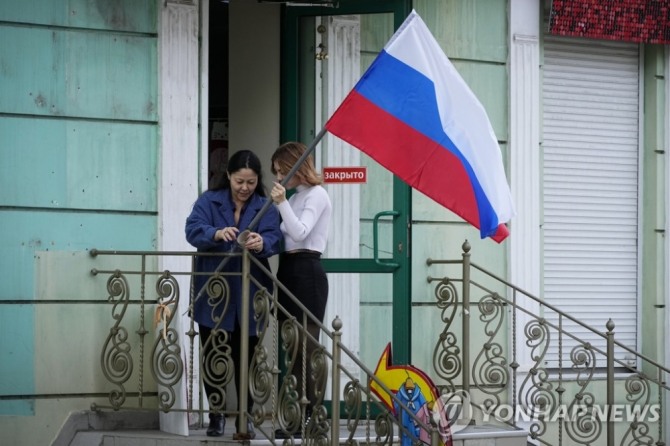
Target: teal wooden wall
pixel 78 152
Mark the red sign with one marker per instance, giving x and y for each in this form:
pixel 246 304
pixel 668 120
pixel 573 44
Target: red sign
pixel 345 175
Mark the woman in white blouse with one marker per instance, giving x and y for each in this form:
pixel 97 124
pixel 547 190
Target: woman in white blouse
pixel 305 223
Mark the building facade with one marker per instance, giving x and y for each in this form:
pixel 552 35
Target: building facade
pixel 115 115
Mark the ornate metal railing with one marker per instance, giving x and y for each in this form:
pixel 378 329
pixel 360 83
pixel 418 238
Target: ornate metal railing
pixel 523 368
pixel 174 360
pixel 503 353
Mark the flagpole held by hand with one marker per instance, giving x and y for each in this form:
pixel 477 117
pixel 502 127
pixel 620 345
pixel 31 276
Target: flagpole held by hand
pixel 242 237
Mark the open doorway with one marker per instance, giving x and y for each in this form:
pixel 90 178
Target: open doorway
pixel 218 91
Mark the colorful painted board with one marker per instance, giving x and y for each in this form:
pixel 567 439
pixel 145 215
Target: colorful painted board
pixel 417 392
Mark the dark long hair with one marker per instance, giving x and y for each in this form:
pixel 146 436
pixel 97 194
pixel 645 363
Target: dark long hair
pixel 243 159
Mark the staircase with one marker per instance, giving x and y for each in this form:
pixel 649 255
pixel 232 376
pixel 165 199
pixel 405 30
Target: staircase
pixel 490 364
pixel 132 429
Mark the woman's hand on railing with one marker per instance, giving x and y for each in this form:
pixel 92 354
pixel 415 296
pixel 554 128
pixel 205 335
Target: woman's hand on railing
pixel 227 234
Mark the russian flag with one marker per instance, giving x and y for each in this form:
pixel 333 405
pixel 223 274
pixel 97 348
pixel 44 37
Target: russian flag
pixel 414 114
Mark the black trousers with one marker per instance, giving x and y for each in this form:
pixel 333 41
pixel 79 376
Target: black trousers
pixel 234 340
pixel 303 274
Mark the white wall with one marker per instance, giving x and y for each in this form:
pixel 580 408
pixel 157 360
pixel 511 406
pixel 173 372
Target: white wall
pixel 253 89
pixel 254 80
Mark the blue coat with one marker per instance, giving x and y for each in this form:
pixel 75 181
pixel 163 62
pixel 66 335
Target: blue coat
pixel 215 210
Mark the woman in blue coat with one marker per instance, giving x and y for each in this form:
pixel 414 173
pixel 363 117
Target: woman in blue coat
pixel 218 216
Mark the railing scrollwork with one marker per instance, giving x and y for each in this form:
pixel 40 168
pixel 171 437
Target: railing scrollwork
pixel 116 360
pixel 446 355
pixel 168 367
pixel 551 400
pixel 553 403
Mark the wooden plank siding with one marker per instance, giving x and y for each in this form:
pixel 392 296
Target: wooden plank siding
pixel 78 165
pixel 78 153
pixel 118 15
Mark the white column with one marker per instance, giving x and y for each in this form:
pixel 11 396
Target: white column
pixel 178 163
pixel 524 149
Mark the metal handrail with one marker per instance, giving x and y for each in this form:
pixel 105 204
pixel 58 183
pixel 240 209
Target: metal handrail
pixel 544 304
pixel 469 286
pixel 334 335
pixel 636 382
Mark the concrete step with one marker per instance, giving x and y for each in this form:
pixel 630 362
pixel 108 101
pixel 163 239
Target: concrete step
pixel 489 435
pixel 472 435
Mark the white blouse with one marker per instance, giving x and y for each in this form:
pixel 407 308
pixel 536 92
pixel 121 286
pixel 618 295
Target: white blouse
pixel 306 218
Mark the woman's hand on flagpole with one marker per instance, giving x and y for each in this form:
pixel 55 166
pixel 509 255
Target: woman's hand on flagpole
pixel 278 193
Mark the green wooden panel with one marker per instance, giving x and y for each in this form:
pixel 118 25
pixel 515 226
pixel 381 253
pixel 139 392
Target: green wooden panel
pixel 16 368
pixel 76 73
pixel 68 362
pixel 376 330
pixel 475 30
pixel 444 241
pixel 376 290
pixel 376 30
pixel 377 193
pixel 66 275
pixel 120 15
pixel 60 275
pixel 367 59
pixel 28 232
pixel 78 164
pixel 50 359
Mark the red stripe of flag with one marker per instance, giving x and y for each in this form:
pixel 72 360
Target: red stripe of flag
pixel 420 162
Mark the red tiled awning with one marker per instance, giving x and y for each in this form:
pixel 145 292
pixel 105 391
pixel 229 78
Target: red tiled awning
pixel 644 21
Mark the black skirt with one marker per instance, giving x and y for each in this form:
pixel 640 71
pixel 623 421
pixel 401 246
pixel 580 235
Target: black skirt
pixel 303 274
